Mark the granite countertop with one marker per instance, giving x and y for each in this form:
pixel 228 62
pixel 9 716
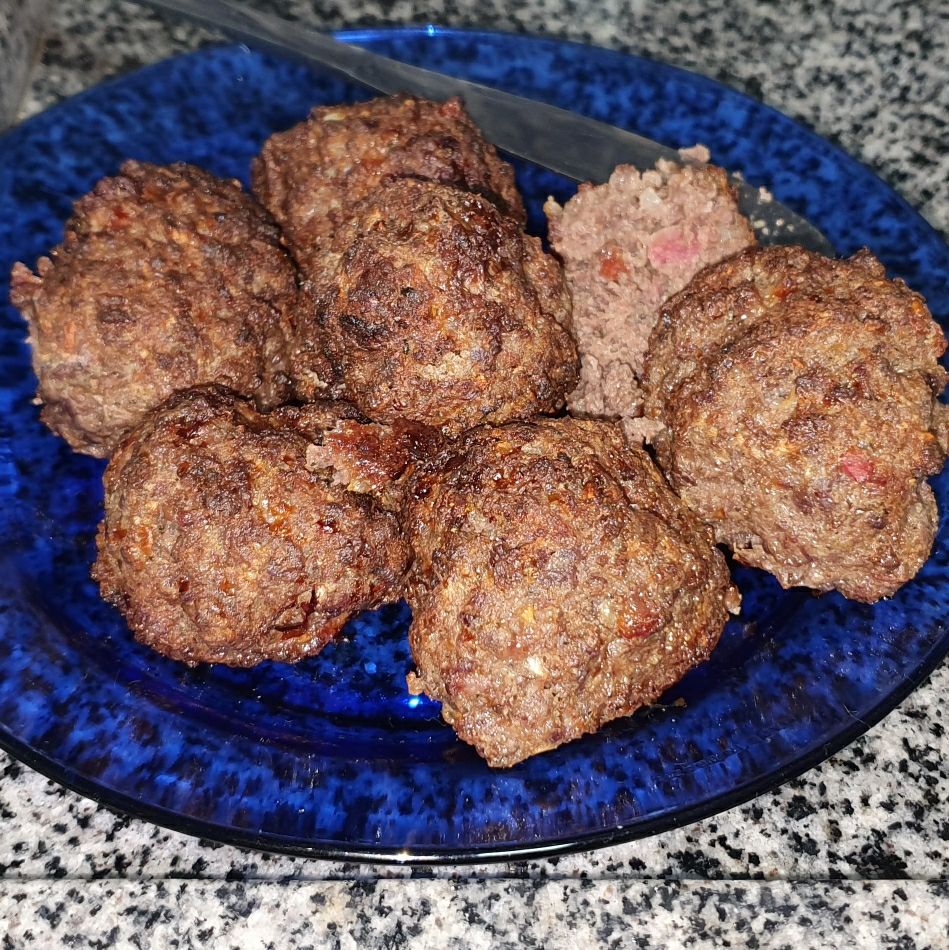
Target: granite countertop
pixel 854 853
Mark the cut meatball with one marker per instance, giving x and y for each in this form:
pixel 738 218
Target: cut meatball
pixel 167 277
pixel 310 176
pixel 220 545
pixel 798 396
pixel 440 310
pixel 628 245
pixel 557 584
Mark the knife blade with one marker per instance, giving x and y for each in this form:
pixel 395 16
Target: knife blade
pixel 565 142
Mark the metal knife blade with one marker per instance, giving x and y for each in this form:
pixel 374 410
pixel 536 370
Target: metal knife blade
pixel 570 144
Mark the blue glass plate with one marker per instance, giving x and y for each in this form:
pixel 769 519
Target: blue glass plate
pixel 332 757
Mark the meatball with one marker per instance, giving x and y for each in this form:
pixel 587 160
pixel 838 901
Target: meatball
pixel 557 584
pixel 627 245
pixel 798 396
pixel 440 310
pixel 167 277
pixel 220 545
pixel 310 176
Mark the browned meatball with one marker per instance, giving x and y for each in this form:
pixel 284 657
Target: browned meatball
pixel 557 584
pixel 167 277
pixel 799 399
pixel 310 176
pixel 220 545
pixel 440 310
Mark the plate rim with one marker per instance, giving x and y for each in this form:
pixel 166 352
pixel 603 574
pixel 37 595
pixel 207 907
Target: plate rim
pixel 122 804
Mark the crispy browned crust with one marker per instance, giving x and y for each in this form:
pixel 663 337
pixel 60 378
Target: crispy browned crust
pixel 310 176
pixel 440 310
pixel 798 395
pixel 557 584
pixel 167 277
pixel 372 458
pixel 220 544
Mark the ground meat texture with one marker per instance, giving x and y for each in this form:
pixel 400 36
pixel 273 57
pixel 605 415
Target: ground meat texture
pixel 627 246
pixel 220 545
pixel 310 176
pixel 167 277
pixel 440 310
pixel 798 396
pixel 557 584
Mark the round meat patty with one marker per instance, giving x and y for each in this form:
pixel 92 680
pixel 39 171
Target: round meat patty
pixel 310 176
pixel 557 584
pixel 440 310
pixel 798 396
pixel 167 277
pixel 220 545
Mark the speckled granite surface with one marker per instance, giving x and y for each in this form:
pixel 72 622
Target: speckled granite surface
pixel 21 32
pixel 855 853
pixel 554 915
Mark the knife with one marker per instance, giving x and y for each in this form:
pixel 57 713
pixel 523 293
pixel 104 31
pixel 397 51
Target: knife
pixel 565 142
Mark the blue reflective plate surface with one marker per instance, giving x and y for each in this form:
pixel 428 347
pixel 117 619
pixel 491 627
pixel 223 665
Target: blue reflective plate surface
pixel 332 757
